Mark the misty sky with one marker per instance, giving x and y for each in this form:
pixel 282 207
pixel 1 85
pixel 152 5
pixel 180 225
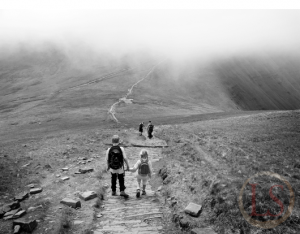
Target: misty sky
pixel 174 32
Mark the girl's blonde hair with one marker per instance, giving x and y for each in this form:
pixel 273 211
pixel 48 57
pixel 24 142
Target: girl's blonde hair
pixel 144 153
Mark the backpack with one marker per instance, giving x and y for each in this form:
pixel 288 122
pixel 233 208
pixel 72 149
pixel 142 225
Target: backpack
pixel 150 129
pixel 144 167
pixel 115 157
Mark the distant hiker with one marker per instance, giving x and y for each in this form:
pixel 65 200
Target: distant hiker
pixel 144 167
pixel 141 128
pixel 150 128
pixel 115 157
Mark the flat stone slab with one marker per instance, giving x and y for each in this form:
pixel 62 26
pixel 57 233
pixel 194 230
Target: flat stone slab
pixel 70 202
pixel 86 170
pixel 193 209
pixel 26 225
pixel 76 222
pixel 8 207
pixel 88 195
pixel 12 212
pixel 202 231
pixel 22 196
pixel 36 190
pixel 65 178
pixel 19 214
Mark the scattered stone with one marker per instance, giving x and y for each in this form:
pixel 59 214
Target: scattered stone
pixel 83 171
pixel 26 165
pixel 8 217
pixel 8 207
pixel 12 212
pixel 70 202
pixel 89 160
pixel 202 231
pixel 193 209
pixel 65 169
pixel 24 145
pixel 99 215
pixel 65 178
pixel 57 175
pixel 30 186
pixel 159 188
pixel 76 222
pixel 17 229
pixel 34 208
pixel 22 196
pixel 77 172
pixel 27 226
pixel 36 190
pixel 88 195
pixel 19 214
pixel 184 223
pixel 84 158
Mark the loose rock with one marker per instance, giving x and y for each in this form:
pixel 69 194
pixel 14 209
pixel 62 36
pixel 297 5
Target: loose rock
pixel 70 202
pixel 65 178
pixel 17 229
pixel 88 195
pixel 193 209
pixel 27 226
pixel 36 190
pixel 83 171
pixel 22 196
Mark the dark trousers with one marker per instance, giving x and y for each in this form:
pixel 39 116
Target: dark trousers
pixel 150 135
pixel 121 178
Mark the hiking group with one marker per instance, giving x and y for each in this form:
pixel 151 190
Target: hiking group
pixel 116 157
pixel 150 128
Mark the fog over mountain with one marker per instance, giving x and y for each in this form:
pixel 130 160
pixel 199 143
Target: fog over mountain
pixel 176 33
pixel 215 60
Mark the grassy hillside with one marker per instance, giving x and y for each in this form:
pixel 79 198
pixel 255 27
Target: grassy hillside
pixel 262 82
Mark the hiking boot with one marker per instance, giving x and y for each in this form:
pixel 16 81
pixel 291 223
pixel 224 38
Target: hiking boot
pixel 138 193
pixel 123 194
pixel 144 192
pixel 113 193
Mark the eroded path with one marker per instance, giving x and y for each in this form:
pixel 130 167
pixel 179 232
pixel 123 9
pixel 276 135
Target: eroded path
pixel 132 215
pixel 112 109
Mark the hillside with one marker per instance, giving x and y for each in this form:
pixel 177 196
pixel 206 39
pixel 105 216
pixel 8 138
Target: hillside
pixel 222 119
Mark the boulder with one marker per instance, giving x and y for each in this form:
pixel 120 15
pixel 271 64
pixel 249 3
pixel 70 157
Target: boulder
pixel 193 209
pixel 22 196
pixel 36 190
pixel 70 202
pixel 88 195
pixel 26 225
pixel 202 231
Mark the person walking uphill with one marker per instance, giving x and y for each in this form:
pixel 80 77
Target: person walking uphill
pixel 115 157
pixel 141 128
pixel 150 130
pixel 144 167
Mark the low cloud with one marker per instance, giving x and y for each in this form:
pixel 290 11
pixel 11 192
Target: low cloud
pixel 177 33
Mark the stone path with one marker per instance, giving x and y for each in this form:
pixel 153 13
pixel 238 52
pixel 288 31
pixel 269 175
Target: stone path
pixel 132 215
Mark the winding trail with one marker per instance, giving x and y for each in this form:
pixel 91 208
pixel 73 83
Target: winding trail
pixel 112 110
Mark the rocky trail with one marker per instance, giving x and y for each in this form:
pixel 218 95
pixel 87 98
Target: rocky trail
pixel 132 215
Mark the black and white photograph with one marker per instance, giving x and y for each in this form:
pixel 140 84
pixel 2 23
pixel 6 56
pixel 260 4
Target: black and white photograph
pixel 149 117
